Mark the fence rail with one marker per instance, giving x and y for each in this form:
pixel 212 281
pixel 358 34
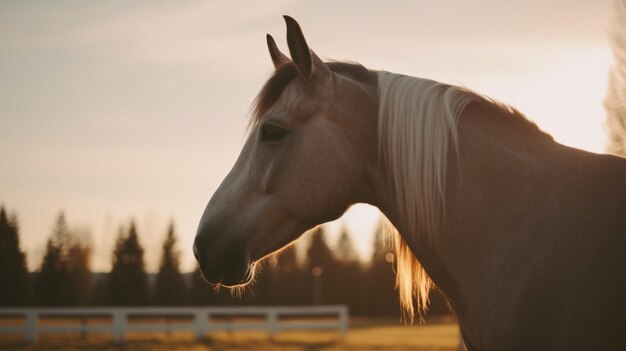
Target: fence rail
pixel 200 320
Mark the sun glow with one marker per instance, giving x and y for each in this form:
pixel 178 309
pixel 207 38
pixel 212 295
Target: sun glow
pixel 564 96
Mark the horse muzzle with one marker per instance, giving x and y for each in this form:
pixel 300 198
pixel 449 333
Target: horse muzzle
pixel 225 268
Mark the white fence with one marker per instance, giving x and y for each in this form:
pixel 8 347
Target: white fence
pixel 198 320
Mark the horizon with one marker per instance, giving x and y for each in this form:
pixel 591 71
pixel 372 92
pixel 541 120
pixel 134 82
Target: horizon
pixel 300 246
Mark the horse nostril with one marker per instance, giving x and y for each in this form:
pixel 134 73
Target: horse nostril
pixel 206 269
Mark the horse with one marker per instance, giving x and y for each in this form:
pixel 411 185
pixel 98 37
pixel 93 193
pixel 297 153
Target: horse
pixel 525 237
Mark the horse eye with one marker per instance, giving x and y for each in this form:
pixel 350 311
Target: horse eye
pixel 272 133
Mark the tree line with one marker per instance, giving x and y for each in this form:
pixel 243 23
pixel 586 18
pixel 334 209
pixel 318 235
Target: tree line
pixel 324 276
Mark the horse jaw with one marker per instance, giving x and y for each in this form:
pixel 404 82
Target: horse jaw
pixel 233 236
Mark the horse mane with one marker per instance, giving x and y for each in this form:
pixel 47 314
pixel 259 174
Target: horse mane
pixel 417 120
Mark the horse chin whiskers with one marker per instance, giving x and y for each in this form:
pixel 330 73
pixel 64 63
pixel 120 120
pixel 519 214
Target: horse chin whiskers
pixel 237 289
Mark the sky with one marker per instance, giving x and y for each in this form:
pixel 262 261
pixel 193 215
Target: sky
pixel 118 110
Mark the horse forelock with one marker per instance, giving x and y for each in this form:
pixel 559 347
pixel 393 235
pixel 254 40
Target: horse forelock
pixel 272 89
pixel 287 72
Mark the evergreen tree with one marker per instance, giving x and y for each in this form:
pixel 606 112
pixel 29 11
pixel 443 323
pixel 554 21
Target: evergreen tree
pixel 53 285
pixel 348 276
pixel 64 277
pixel 52 282
pixel 345 249
pixel 319 253
pixel 13 273
pixel 264 286
pixel 379 250
pixel 170 285
pixel 200 292
pixel 128 281
pixel 286 279
pixel 80 273
pixel 100 292
pixel 321 265
pixel 381 295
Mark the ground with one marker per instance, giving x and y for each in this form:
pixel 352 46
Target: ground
pixel 363 335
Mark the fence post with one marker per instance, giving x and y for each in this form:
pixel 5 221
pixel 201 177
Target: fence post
pixel 119 325
pixel 31 326
pixel 343 320
pixel 83 324
pixel 272 322
pixel 200 325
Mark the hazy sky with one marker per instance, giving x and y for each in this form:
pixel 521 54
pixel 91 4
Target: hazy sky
pixel 116 110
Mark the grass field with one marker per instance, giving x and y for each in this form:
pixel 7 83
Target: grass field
pixel 363 335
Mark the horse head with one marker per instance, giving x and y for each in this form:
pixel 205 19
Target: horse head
pixel 307 158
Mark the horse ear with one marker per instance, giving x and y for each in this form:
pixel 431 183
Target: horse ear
pixel 277 57
pixel 306 60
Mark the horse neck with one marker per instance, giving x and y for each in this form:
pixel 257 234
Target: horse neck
pixel 503 162
pixel 531 228
pixel 497 149
pixel 502 190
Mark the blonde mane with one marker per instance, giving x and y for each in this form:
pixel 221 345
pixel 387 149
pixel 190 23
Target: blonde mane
pixel 417 120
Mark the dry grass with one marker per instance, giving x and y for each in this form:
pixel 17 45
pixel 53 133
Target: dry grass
pixel 363 335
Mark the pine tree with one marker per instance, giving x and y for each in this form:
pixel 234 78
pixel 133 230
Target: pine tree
pixel 200 292
pixel 321 265
pixel 282 280
pixel 318 253
pixel 264 285
pixel 64 277
pixel 381 296
pixel 380 250
pixel 170 285
pixel 349 275
pixel 13 273
pixel 128 281
pixel 345 249
pixel 80 273
pixel 53 284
